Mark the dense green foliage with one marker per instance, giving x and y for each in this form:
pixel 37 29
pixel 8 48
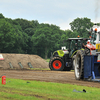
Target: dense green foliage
pixel 31 37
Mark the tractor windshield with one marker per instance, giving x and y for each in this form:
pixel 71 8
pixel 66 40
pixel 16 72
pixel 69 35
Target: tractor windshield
pixel 93 38
pixel 74 46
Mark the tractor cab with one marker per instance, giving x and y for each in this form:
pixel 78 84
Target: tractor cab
pixel 75 44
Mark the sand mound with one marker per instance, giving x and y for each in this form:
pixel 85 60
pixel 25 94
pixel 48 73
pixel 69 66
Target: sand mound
pixel 35 60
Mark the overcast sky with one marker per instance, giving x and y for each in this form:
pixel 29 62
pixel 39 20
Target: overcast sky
pixel 57 12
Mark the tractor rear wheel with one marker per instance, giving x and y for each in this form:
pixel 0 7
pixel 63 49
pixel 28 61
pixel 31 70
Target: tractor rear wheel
pixel 56 64
pixel 79 65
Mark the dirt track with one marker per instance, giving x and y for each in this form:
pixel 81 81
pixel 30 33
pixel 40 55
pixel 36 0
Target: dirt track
pixel 48 76
pixel 37 62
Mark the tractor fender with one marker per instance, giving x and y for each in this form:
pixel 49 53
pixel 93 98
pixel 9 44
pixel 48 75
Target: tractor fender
pixel 74 53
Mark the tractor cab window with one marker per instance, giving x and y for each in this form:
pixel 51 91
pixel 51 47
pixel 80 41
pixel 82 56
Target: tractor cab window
pixel 74 46
pixel 93 38
pixel 79 44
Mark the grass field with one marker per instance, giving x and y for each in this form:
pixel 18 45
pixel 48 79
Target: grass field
pixel 16 89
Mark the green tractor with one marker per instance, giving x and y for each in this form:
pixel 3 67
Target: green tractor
pixel 63 60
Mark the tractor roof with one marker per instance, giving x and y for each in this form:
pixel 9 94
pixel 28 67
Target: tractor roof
pixel 77 39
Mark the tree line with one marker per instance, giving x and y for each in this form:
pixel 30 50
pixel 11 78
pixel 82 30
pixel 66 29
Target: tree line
pixel 31 37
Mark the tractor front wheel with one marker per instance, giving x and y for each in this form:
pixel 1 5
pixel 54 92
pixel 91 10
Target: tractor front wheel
pixel 79 65
pixel 56 64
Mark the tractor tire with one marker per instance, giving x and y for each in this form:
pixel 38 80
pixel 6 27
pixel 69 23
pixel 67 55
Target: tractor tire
pixel 79 65
pixel 73 67
pixel 73 61
pixel 56 64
